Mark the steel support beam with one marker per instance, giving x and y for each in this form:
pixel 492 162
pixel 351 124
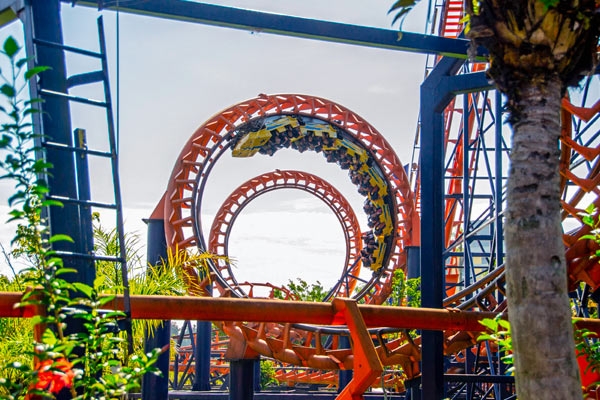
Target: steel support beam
pixel 157 387
pixel 260 310
pixel 241 379
pixel 437 91
pixel 57 127
pixel 258 21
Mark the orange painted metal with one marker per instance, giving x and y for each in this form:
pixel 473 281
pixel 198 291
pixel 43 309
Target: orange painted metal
pixel 225 309
pixel 256 310
pixel 278 179
pixel 367 365
pixel 198 154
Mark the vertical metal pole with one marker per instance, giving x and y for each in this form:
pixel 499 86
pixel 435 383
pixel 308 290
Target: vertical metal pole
pixel 202 356
pixel 498 199
pixel 413 261
pixel 344 376
pixel 83 187
pixel 432 244
pixel 241 379
pixel 436 92
pixel 465 188
pixel 257 375
pixel 156 387
pixel 57 128
pixel 499 182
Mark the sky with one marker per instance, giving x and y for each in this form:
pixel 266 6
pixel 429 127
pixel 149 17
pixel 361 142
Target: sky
pixel 173 76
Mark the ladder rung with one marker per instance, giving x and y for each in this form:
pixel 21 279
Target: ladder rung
pixel 85 78
pixel 88 203
pixel 67 48
pixel 60 146
pixel 74 98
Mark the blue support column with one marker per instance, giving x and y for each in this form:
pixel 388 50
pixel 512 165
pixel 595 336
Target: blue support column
pixel 466 195
pixel 413 262
pixel 156 387
pixel 202 356
pixel 83 187
pixel 436 92
pixel 433 102
pixel 344 376
pixel 241 379
pixel 56 120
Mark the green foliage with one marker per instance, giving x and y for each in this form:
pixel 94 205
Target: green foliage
pixel 405 292
pixel 304 291
pixel 588 345
pixel 499 333
pixel 267 373
pixel 401 8
pixel 84 363
pixel 590 218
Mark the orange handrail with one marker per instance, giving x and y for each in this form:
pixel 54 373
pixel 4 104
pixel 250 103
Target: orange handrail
pixel 258 310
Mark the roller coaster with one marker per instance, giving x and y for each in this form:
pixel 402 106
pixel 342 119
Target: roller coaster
pixel 475 158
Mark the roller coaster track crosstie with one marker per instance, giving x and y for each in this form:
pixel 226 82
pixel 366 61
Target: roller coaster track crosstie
pixel 266 124
pixel 265 183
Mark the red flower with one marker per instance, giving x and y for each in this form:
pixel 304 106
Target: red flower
pixel 53 375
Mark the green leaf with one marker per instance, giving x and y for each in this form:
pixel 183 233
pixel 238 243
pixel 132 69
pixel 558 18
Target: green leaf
pixel 87 290
pixel 11 47
pixel 105 299
pixel 34 71
pixel 22 61
pixel 62 271
pixel 8 90
pixel 50 203
pixel 48 337
pixel 402 4
pixel 505 324
pixel 59 238
pixel 41 165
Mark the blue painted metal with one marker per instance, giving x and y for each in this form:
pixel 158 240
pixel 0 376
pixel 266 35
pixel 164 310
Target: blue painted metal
pixel 83 188
pixel 56 122
pixel 157 387
pixel 437 91
pixel 344 376
pixel 258 21
pixel 241 379
pixel 202 356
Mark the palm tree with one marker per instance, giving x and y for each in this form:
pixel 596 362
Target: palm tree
pixel 538 48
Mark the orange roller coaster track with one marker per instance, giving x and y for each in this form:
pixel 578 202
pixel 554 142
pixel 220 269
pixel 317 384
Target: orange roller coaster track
pixel 231 128
pixel 278 179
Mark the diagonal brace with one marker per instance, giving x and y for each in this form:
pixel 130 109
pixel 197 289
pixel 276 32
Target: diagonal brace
pixel 367 366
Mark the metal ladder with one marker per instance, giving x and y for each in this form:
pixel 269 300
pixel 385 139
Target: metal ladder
pixel 81 152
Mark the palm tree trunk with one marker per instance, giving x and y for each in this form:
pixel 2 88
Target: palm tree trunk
pixel 539 308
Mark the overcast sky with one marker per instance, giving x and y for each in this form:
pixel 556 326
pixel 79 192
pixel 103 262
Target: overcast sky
pixel 173 76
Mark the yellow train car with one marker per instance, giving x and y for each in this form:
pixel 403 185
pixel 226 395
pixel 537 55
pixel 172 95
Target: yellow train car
pixel 251 142
pixel 378 255
pixel 281 123
pixel 318 129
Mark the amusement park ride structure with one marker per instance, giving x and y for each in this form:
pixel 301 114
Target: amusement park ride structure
pixel 448 202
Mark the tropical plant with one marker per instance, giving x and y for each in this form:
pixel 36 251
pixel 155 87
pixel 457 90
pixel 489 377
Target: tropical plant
pixel 405 292
pixel 267 373
pixel 82 364
pixel 537 49
pixel 499 333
